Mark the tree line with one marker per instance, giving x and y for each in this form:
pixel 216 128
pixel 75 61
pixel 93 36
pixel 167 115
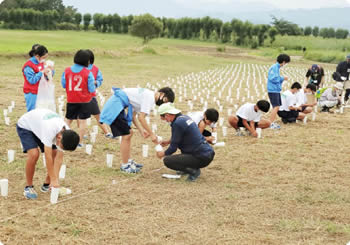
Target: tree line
pixel 52 14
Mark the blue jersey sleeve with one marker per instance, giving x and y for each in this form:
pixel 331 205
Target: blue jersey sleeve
pixel 63 80
pixel 99 79
pixel 91 83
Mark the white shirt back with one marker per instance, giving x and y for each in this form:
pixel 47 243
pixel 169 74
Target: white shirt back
pixel 301 97
pixel 248 113
pixel 141 99
pixel 288 99
pixel 45 124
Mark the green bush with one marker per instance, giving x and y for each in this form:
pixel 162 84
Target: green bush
pixel 66 26
pixel 148 50
pixel 221 48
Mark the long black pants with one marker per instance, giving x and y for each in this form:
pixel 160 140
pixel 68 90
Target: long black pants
pixel 187 162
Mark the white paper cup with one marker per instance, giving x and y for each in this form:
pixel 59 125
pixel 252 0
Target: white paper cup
pixel 4 185
pixel 13 103
pixel 258 131
pixel 219 144
pixel 159 139
pixel 10 156
pixel 229 112
pixel 305 120
pixel 88 121
pixel 62 173
pixel 145 150
pixel 158 148
pixel 7 121
pixel 88 149
pixel 224 131
pixel 221 121
pixel 5 112
pixel 9 108
pixel 341 110
pixel 95 129
pixel 93 137
pixel 54 195
pixel 313 116
pixel 109 160
pixel 215 135
pixel 154 128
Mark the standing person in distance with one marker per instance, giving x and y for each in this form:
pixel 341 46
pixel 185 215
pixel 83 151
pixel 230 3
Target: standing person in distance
pixel 32 71
pixel 343 69
pixel 274 86
pixel 79 83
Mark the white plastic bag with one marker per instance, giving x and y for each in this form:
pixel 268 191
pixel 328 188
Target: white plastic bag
pixel 46 94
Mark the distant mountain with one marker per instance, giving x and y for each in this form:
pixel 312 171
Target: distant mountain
pixel 325 17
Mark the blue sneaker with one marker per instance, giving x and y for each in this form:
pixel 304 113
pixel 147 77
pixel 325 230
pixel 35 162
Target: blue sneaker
pixel 137 165
pixel 129 168
pixel 275 126
pixel 194 175
pixel 30 193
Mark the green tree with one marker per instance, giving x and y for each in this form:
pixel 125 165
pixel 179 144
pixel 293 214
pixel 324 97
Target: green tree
pixel 98 21
pixel 308 31
pixel 77 19
pixel 116 23
pixel 324 32
pixel 315 31
pixel 86 20
pixel 226 32
pixel 272 34
pixel 146 26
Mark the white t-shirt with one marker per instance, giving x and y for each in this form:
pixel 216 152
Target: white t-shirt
pixel 141 99
pixel 248 113
pixel 288 99
pixel 301 98
pixel 45 124
pixel 198 116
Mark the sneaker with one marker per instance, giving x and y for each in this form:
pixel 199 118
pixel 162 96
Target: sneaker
pixel 45 188
pixel 194 175
pixel 275 126
pixel 30 193
pixel 137 165
pixel 80 146
pixel 109 135
pixel 129 168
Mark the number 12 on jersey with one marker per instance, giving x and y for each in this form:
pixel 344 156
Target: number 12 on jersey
pixel 75 81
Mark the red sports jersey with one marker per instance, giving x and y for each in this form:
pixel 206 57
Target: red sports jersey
pixel 94 70
pixel 28 87
pixel 77 86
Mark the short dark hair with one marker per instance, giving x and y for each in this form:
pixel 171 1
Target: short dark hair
pixel 92 56
pixel 263 105
pixel 212 115
pixel 82 57
pixel 312 87
pixel 296 85
pixel 283 58
pixel 34 47
pixel 168 93
pixel 70 140
pixel 38 49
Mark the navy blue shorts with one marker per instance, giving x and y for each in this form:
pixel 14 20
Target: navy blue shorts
pixel 78 111
pixel 275 99
pixel 120 126
pixel 240 123
pixel 29 140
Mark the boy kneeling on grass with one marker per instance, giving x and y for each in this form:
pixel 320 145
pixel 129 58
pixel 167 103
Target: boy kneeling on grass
pixel 249 117
pixel 204 119
pixel 44 129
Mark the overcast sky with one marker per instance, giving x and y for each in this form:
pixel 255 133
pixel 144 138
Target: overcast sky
pixel 178 8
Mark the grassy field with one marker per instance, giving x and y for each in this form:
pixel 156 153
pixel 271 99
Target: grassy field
pixel 290 187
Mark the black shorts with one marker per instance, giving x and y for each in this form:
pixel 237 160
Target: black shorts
pixel 290 116
pixel 29 140
pixel 240 122
pixel 275 99
pixel 78 111
pixel 206 133
pixel 94 109
pixel 120 126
